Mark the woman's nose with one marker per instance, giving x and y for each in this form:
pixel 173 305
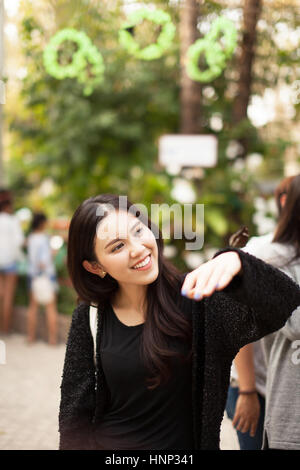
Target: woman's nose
pixel 136 249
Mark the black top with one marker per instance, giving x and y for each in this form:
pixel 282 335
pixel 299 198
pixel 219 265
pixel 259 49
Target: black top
pixel 254 304
pixel 139 418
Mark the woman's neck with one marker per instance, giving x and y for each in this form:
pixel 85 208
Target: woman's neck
pixel 131 298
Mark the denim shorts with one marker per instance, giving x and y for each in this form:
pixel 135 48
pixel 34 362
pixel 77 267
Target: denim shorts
pixel 10 268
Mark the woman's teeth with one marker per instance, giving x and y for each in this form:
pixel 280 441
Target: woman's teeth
pixel 144 263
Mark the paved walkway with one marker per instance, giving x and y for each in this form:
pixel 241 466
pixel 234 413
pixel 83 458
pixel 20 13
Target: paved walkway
pixel 30 393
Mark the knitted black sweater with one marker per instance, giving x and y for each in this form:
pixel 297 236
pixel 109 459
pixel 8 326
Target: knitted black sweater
pixel 254 304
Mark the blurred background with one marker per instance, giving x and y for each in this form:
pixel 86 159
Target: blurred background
pixel 61 142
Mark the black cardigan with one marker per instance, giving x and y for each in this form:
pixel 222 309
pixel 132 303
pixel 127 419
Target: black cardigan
pixel 254 304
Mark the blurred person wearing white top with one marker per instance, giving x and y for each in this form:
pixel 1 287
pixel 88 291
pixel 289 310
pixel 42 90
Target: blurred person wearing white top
pixel 11 242
pixel 40 262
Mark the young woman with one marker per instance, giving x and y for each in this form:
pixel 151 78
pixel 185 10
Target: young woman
pixel 11 241
pixel 165 340
pixel 282 348
pixel 40 262
pixel 246 395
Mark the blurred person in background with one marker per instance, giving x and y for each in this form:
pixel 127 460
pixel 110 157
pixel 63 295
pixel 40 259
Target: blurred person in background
pixel 11 241
pixel 40 262
pixel 263 369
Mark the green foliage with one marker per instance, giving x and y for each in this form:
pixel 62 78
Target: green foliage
pixel 107 141
pixel 87 144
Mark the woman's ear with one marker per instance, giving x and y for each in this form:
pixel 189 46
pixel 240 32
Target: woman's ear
pixel 283 200
pixel 92 267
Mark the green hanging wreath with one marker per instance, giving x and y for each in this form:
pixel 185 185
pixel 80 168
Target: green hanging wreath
pixel 225 26
pixel 164 40
pixel 96 70
pixel 215 53
pixel 214 58
pixel 86 60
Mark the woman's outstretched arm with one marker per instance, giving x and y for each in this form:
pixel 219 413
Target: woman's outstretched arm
pixel 251 298
pixel 77 403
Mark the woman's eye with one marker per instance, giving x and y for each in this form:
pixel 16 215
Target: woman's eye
pixel 117 247
pixel 139 230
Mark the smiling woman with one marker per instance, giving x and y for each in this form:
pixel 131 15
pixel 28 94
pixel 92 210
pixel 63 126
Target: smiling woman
pixel 114 246
pixel 165 340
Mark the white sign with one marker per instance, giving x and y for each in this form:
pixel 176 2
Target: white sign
pixel 177 151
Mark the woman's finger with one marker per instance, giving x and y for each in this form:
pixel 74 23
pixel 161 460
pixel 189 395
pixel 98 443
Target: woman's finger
pixel 225 279
pixel 214 281
pixel 189 284
pixel 206 286
pixel 240 424
pixel 236 419
pixel 203 272
pixel 225 267
pixel 245 427
pixel 253 429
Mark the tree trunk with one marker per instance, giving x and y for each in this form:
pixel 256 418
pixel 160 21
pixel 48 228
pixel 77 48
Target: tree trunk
pixel 190 93
pixel 252 9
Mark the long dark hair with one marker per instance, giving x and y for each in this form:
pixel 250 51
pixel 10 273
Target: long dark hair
pixel 288 227
pixel 164 321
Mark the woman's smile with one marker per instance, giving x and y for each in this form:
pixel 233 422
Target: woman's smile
pixel 144 265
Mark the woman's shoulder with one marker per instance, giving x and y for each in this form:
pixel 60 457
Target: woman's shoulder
pixel 79 320
pixel 81 310
pixel 258 245
pixel 271 252
pixel 282 249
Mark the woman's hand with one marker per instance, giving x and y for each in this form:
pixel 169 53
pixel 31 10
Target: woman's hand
pixel 247 413
pixel 213 275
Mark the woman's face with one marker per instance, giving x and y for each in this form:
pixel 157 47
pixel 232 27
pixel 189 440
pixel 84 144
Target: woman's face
pixel 123 241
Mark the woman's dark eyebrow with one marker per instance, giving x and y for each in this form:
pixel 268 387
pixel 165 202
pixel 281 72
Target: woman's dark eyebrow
pixel 117 239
